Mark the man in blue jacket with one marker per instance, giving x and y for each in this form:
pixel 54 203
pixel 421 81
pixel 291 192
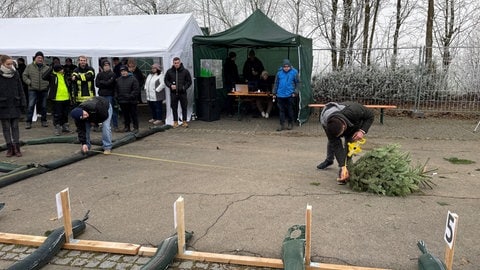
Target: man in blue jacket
pixel 285 90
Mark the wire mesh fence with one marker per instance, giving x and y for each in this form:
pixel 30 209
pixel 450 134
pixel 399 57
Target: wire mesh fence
pixel 451 85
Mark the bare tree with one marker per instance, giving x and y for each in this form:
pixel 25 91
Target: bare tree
pixel 17 9
pixel 158 6
pixel 453 18
pixel 429 36
pixel 402 12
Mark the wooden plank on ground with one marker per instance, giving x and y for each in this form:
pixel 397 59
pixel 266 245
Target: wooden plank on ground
pixel 102 246
pixel 21 239
pixel 84 245
pixel 147 251
pixel 259 261
pixel 230 259
pixel 372 106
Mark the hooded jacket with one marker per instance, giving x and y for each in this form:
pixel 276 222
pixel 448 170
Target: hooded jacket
pixel 286 83
pixel 97 108
pixel 180 77
pixel 356 117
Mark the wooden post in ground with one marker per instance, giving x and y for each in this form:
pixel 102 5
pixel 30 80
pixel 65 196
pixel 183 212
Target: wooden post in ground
pixel 67 218
pixel 450 234
pixel 180 223
pixel 308 235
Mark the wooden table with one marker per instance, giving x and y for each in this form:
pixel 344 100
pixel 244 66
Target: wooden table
pixel 372 106
pixel 241 96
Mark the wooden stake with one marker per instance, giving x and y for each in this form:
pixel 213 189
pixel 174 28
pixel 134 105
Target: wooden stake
pixel 180 223
pixel 308 235
pixel 450 235
pixel 67 218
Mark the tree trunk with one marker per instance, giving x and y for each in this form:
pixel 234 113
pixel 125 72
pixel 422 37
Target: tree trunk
pixel 429 37
pixel 366 23
pixel 345 35
pixel 333 35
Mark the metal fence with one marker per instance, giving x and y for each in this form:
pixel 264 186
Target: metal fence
pixel 455 89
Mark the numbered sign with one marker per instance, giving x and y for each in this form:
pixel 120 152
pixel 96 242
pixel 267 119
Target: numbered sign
pixel 450 229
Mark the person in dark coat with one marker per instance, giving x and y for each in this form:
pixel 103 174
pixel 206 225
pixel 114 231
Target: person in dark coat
pixel 106 82
pixel 230 78
pixel 21 66
pixel 349 120
pixel 127 90
pixel 133 68
pixel 90 113
pixel 251 70
pixel 12 103
pixel 178 79
pixel 61 95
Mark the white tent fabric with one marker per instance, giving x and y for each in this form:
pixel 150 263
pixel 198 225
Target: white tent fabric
pixel 163 36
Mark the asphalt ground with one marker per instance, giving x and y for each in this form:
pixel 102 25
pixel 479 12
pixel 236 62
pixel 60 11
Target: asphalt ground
pixel 245 184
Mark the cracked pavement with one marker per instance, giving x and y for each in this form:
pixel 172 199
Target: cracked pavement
pixel 245 184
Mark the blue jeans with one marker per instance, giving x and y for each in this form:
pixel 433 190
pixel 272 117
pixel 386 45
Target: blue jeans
pixel 114 111
pixel 38 98
pixel 156 109
pixel 106 132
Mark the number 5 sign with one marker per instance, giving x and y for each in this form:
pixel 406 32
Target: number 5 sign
pixel 450 228
pixel 450 234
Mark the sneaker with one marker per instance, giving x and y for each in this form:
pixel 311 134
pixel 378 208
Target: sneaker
pixel 127 129
pixel 280 128
pixel 324 165
pixel 116 129
pixel 28 125
pixel 267 115
pixel 66 128
pixel 135 130
pixel 44 124
pixel 58 130
pixel 107 152
pixel 185 124
pixel 264 115
pixel 290 126
pixel 151 120
pixel 157 122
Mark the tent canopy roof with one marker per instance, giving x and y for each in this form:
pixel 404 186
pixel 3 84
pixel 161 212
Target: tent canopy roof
pixel 261 30
pixel 135 36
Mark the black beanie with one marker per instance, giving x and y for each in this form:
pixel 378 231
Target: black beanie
pixel 39 53
pixel 335 126
pixel 57 67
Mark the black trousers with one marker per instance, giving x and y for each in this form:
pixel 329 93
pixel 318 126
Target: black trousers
pixel 130 114
pixel 182 98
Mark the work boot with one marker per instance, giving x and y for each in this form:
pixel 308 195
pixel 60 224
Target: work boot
pixel 175 124
pixel 324 164
pixel 10 151
pixel 57 130
pixel 28 125
pixel 66 128
pixel 185 124
pixel 16 149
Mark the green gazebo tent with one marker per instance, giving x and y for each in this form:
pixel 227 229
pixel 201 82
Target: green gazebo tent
pixel 271 43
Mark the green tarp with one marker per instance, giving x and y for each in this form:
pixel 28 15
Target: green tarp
pixel 271 43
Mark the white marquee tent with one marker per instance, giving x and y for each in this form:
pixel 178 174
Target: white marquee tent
pixel 164 36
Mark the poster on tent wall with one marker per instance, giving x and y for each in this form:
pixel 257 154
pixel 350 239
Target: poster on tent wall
pixel 212 68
